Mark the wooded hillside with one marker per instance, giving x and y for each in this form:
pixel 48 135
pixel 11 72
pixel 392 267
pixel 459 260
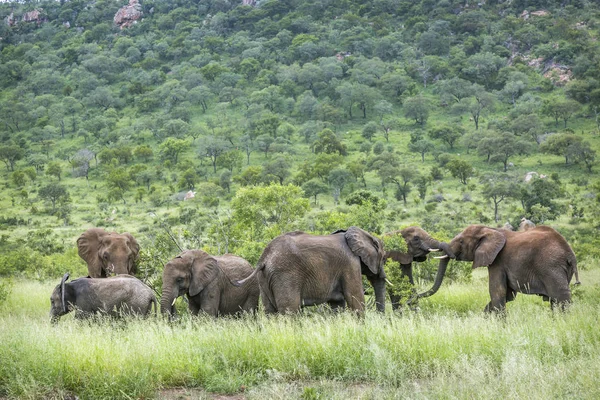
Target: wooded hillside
pixel 299 114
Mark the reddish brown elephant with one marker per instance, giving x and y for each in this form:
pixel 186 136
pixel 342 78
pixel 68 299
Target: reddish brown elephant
pixel 108 253
pixel 536 261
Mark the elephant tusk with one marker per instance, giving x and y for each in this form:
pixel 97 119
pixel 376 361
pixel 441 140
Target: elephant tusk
pixel 174 300
pixel 388 282
pixel 444 256
pixel 433 249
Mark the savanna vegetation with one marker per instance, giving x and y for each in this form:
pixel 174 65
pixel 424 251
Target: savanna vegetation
pixel 297 114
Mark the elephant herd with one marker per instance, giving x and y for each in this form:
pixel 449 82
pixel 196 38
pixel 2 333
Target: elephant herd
pixel 298 269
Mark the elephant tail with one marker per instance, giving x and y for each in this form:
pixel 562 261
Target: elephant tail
pixel 572 261
pixel 155 304
pixel 252 275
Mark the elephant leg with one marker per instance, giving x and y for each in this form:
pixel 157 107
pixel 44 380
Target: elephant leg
pixel 511 295
pixel 193 306
pixel 498 290
pixel 287 299
pixel 337 305
pixel 354 295
pixel 395 299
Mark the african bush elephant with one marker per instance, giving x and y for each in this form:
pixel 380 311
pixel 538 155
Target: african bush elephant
pixel 536 261
pixel 207 282
pixel 108 253
pixel 419 244
pixel 297 269
pixel 114 296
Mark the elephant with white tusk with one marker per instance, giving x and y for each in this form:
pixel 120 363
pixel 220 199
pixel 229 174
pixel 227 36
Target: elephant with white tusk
pixel 536 261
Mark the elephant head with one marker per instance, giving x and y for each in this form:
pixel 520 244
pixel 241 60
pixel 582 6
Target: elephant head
pixel 419 244
pixel 188 273
pixel 58 303
pixel 371 253
pixel 108 253
pixel 477 243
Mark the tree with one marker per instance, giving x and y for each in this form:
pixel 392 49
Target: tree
pixel 213 147
pixel 251 176
pixel 560 109
pixel 369 130
pixel 403 177
pixel 560 144
pixel 481 101
pixel 81 161
pixel 55 194
pixel 314 187
pixel 338 178
pixel 541 192
pixel 498 187
pixel 278 168
pixel 447 134
pixel 421 146
pixel 171 148
pixel 188 179
pixel 500 146
pixel 417 108
pixel 248 145
pixel 262 213
pixel 10 154
pixel 460 169
pixel 582 152
pixel 328 142
pixel 54 169
pixel 118 181
pixel 143 152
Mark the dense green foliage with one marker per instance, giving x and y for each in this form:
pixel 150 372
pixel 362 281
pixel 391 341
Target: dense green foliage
pixel 435 107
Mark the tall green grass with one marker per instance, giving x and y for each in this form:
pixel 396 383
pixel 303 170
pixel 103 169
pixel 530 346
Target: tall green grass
pixel 448 349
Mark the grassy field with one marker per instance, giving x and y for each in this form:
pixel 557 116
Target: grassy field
pixel 449 349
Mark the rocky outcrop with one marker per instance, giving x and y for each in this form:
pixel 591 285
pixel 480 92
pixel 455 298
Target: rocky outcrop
pixel 128 15
pixel 30 16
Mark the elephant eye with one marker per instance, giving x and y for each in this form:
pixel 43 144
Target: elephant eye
pixel 105 256
pixel 416 238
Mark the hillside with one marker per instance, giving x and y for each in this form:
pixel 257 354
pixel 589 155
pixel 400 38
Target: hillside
pixel 440 108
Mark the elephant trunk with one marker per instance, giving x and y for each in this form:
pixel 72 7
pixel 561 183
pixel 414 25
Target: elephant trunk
pixel 438 281
pixel 167 302
pixel 379 288
pixel 430 244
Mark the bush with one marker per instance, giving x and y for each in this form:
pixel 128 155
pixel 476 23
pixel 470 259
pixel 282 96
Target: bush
pixel 5 289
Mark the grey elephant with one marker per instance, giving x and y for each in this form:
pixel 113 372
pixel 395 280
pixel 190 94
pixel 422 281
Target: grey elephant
pixel 297 269
pixel 113 296
pixel 536 261
pixel 207 282
pixel 108 253
pixel 419 244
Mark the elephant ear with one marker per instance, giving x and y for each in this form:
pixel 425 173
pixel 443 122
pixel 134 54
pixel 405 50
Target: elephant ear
pixel 367 247
pixel 490 243
pixel 204 270
pixel 133 245
pixel 88 245
pixel 398 256
pixel 135 249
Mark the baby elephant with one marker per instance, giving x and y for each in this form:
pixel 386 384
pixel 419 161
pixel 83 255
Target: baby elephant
pixel 114 296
